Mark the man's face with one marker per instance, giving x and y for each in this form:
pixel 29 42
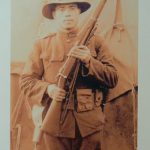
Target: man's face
pixel 66 15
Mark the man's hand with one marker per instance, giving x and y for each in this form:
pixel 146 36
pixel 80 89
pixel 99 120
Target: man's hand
pixel 56 93
pixel 81 52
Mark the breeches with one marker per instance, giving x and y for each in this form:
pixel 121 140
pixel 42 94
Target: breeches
pixel 91 142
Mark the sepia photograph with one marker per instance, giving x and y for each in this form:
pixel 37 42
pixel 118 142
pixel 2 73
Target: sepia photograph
pixel 74 75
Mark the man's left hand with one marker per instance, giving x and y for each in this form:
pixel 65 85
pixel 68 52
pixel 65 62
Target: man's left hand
pixel 81 52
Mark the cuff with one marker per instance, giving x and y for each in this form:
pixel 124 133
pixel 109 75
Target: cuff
pixel 42 96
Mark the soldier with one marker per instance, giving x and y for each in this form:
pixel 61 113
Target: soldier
pixel 84 122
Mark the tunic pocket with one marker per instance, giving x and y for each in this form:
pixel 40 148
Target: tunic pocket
pixel 51 66
pixel 51 58
pixel 46 59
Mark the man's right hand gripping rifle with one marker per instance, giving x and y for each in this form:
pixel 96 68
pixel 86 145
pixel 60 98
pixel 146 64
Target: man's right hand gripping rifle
pixel 80 52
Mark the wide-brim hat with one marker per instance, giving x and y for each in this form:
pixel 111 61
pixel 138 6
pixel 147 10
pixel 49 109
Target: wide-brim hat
pixel 49 7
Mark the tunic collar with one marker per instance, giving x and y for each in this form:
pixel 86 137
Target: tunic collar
pixel 68 36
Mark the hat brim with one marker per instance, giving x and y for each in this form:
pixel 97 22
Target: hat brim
pixel 49 8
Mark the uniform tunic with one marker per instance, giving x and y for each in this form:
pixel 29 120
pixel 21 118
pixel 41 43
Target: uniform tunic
pixel 45 61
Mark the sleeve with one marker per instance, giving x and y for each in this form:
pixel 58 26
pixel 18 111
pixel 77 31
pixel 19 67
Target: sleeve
pixel 102 67
pixel 31 83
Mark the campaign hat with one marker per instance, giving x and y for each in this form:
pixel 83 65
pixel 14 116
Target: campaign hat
pixel 50 6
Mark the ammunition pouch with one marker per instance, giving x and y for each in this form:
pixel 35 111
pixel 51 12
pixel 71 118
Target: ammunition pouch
pixel 88 99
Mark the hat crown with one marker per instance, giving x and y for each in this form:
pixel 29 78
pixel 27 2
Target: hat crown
pixel 84 5
pixel 65 1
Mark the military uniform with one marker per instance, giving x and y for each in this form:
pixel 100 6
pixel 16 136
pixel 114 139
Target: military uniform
pixel 85 120
pixel 47 58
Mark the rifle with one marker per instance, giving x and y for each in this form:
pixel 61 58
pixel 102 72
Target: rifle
pixel 54 113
